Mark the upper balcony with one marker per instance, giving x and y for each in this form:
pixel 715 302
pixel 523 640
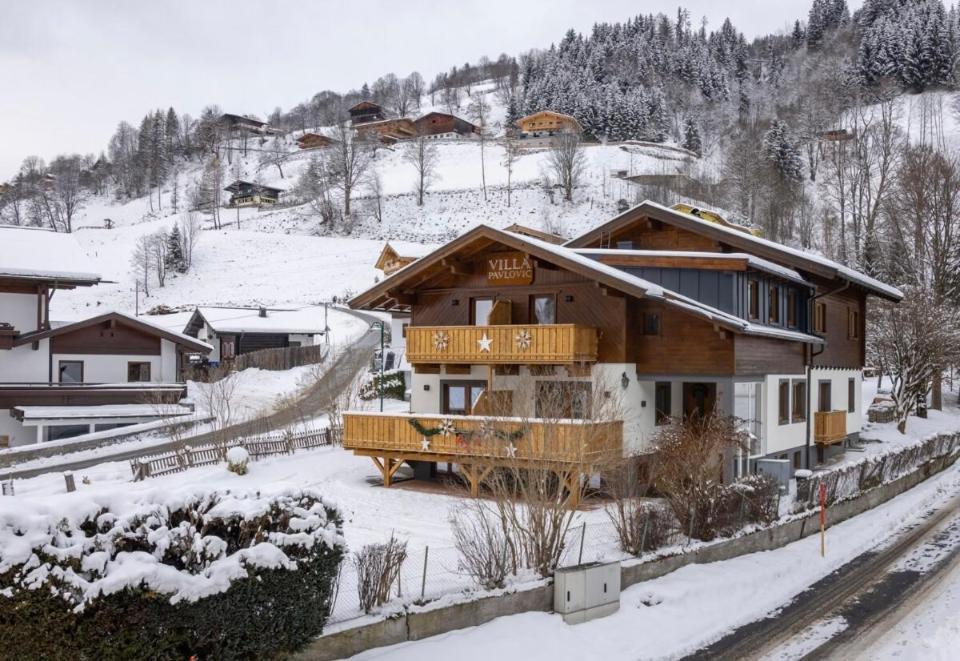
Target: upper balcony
pixel 533 344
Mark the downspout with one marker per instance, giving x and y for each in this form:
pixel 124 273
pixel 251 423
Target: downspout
pixel 811 354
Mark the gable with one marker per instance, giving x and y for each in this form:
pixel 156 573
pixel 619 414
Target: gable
pixel 106 337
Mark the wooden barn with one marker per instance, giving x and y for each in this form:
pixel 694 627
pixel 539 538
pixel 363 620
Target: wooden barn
pixel 365 112
pixel 547 123
pixel 313 141
pixel 240 123
pixel 388 131
pixel 441 125
pixel 251 194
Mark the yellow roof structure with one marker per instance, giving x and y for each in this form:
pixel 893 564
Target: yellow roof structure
pixel 713 217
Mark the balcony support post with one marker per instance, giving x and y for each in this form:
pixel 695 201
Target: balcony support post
pixel 475 474
pixel 388 468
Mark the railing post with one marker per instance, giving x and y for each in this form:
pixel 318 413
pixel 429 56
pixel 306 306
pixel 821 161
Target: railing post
pixel 423 581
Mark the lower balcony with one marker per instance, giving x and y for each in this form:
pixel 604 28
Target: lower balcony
pixel 392 439
pixel 829 427
pixel 545 344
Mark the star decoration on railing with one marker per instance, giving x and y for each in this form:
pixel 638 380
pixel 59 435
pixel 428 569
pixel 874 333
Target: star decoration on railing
pixel 524 340
pixel 441 340
pixel 485 343
pixel 425 444
pixel 511 451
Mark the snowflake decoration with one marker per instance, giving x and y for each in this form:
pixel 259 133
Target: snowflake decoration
pixel 511 451
pixel 485 343
pixel 524 340
pixel 425 444
pixel 441 340
pixel 446 427
pixel 487 430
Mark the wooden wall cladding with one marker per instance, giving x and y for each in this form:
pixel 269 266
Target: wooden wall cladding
pixel 764 355
pixel 685 345
pixel 106 338
pixel 842 350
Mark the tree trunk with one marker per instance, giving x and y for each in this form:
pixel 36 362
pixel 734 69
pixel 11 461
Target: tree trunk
pixel 936 402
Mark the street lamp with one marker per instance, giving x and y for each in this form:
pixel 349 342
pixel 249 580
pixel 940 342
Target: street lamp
pixel 382 361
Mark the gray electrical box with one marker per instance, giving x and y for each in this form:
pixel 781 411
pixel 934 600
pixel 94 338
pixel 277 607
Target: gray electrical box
pixel 586 592
pixel 778 469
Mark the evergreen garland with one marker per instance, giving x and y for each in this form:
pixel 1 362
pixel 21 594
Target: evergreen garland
pixel 467 434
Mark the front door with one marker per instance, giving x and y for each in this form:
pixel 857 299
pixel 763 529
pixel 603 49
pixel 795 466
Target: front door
pixel 699 399
pixel 460 397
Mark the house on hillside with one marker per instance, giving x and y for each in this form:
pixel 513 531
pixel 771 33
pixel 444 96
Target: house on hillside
pixel 314 141
pixel 366 111
pixel 547 123
pixel 235 331
pixel 246 123
pixel 388 131
pixel 514 340
pixel 61 380
pixel 444 126
pixel 251 194
pixel 523 230
pixel 390 260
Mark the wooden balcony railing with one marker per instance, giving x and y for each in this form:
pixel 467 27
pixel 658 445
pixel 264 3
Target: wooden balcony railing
pixel 829 427
pixel 553 344
pixel 459 438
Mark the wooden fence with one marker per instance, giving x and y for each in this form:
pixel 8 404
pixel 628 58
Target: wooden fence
pixel 281 358
pixel 263 445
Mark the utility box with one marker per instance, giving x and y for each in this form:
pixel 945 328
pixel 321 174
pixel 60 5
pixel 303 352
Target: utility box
pixel 586 592
pixel 778 469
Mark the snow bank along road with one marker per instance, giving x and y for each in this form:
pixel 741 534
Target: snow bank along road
pixel 838 616
pixel 341 372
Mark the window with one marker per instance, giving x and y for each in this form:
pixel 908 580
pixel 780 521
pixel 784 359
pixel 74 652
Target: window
pixel 853 324
pixel 624 245
pixel 799 410
pixel 459 398
pixel 227 348
pixel 746 408
pixel 480 309
pixel 563 399
pixel 797 460
pixel 825 396
pixel 784 402
pixel 71 371
pixel 545 309
pixel 820 318
pixel 753 299
pixel 138 372
pixel 773 314
pixel 851 395
pixel 651 323
pixel 792 308
pixel 663 404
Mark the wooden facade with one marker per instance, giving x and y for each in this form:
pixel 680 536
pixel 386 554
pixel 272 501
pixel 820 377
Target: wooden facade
pixel 388 130
pixel 829 427
pixel 441 123
pixel 548 122
pixel 366 111
pixel 535 344
pixel 313 141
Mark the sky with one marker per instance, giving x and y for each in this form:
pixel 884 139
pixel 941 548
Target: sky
pixel 73 70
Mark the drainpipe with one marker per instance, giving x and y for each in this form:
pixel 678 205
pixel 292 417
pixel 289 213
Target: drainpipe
pixel 811 354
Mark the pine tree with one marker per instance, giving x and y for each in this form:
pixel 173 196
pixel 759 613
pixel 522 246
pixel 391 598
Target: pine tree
pixel 174 253
pixel 782 151
pixel 691 136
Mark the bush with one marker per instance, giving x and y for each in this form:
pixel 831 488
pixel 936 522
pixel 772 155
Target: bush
pixel 217 576
pixel 393 387
pixel 482 544
pixel 378 566
pixel 237 460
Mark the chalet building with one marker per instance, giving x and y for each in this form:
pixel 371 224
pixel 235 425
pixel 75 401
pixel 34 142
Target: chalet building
pixel 234 331
pixel 366 111
pixel 547 123
pixel 443 126
pixel 666 313
pixel 59 380
pixel 251 194
pixel 314 141
pixel 249 124
pixel 390 259
pixel 388 131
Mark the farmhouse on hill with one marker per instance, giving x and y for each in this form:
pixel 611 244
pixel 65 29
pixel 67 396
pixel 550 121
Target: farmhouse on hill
pixel 313 141
pixel 547 123
pixel 388 131
pixel 251 194
pixel 366 111
pixel 441 125
pixel 682 318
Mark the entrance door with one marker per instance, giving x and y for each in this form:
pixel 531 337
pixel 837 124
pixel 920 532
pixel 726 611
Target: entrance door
pixel 460 397
pixel 699 399
pixel 825 392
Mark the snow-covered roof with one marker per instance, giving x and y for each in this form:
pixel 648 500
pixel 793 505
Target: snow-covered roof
pixel 112 411
pixel 305 320
pixel 146 324
pixel 752 260
pixel 40 254
pixel 738 237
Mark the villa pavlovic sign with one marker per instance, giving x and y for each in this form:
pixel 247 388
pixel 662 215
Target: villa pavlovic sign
pixel 510 268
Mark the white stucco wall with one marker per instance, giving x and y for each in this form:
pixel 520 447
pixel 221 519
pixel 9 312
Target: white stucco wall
pixel 23 364
pixel 20 310
pixel 777 437
pixel 108 369
pixel 15 431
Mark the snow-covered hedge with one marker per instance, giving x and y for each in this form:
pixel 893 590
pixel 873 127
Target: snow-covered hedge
pixel 160 575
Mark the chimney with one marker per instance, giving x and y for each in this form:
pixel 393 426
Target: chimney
pixel 263 311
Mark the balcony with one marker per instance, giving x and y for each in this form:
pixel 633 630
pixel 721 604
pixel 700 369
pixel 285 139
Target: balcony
pixel 535 344
pixel 829 427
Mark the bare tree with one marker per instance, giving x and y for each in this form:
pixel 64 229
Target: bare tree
pixel 141 262
pixel 190 234
pixel 421 153
pixel 274 153
pixel 416 85
pixel 567 161
pixel 479 111
pixel 347 160
pixel 157 244
pixel 511 154
pixel 375 184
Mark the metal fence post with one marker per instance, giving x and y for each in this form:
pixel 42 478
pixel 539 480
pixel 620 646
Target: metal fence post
pixel 643 535
pixel 583 535
pixel 423 581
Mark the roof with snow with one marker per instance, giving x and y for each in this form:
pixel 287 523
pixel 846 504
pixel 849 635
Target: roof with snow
pixel 32 253
pixel 96 412
pixel 800 260
pixel 382 296
pixel 144 325
pixel 297 321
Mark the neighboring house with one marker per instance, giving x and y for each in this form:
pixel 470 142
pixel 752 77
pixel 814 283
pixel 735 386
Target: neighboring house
pixel 441 125
pixel 314 141
pixel 366 111
pixel 241 123
pixel 547 123
pixel 251 194
pixel 63 380
pixel 235 331
pixel 681 317
pixel 390 259
pixel 535 233
pixel 388 131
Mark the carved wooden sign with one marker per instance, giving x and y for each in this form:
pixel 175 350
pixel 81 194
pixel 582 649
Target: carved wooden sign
pixel 510 268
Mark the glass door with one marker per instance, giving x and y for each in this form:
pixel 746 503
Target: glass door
pixel 460 398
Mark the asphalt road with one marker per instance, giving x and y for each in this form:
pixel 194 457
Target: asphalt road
pixel 314 401
pixel 867 593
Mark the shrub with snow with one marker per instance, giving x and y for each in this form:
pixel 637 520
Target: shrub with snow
pixel 217 575
pixel 237 460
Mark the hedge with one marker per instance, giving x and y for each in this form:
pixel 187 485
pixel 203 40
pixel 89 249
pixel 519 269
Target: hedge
pixel 216 576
